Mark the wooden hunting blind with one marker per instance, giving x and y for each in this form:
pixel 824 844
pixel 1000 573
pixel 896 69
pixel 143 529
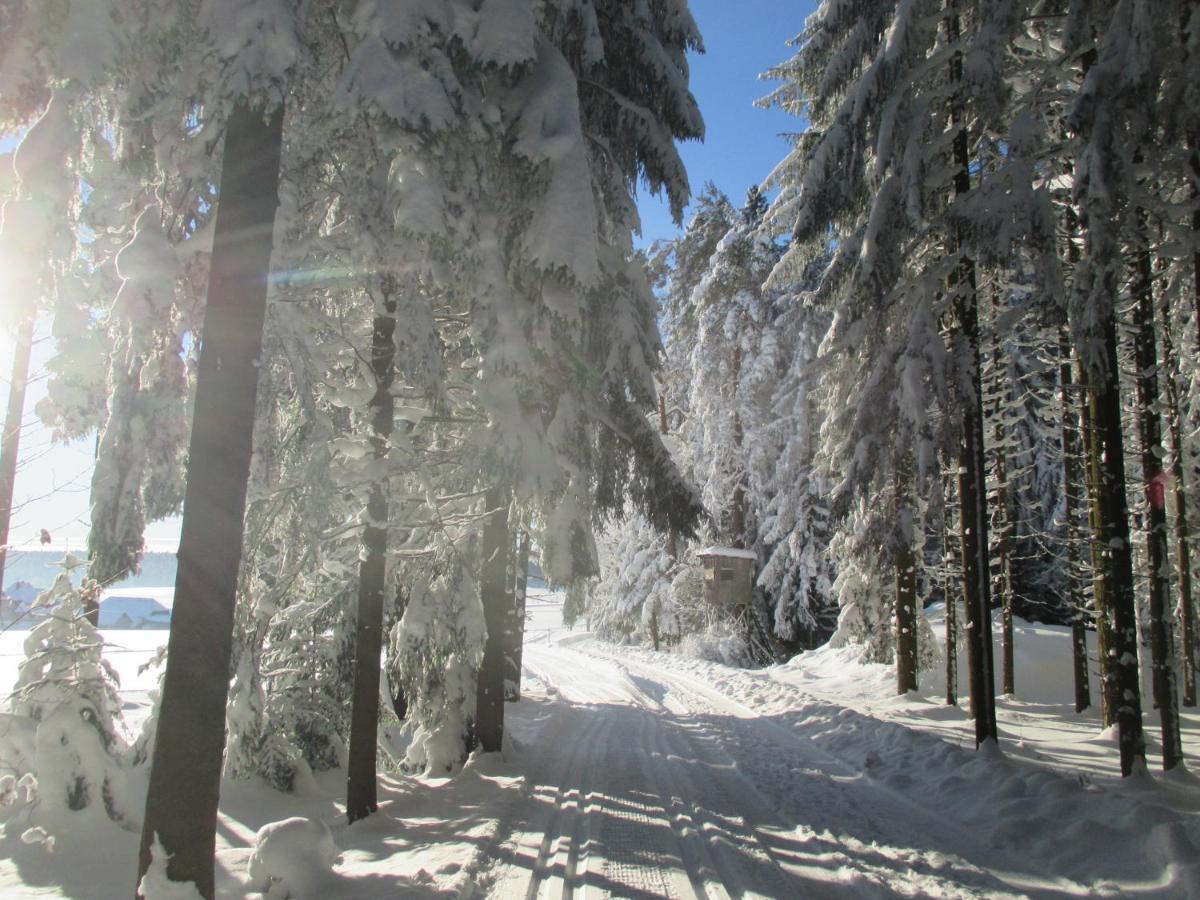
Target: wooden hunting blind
pixel 728 578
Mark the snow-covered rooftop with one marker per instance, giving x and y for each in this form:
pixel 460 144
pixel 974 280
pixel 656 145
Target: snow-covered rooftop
pixel 735 552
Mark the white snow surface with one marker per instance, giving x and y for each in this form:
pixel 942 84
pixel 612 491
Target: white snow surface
pixel 639 774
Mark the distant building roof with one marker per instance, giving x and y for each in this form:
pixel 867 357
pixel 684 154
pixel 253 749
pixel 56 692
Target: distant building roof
pixel 733 552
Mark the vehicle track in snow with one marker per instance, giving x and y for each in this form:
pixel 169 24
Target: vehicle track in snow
pixel 649 782
pixel 614 812
pixel 823 817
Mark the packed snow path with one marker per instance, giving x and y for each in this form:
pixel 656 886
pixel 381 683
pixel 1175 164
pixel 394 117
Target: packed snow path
pixel 645 782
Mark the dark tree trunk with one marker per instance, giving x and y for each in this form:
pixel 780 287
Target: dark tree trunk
pixel 972 494
pixel 10 441
pixel 952 562
pixel 494 587
pixel 512 685
pixel 1116 572
pixel 972 489
pixel 372 574
pixel 1157 549
pixel 906 588
pixel 1003 399
pixel 1187 621
pixel 1071 479
pixel 185 775
pixel 395 688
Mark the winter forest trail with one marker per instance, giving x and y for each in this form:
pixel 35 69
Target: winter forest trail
pixel 646 782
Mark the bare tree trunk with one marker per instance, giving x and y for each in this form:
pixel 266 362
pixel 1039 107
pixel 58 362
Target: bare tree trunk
pixel 1162 643
pixel 10 445
pixel 512 686
pixel 1071 479
pixel 495 588
pixel 185 775
pixel 361 798
pixel 1187 614
pixel 972 490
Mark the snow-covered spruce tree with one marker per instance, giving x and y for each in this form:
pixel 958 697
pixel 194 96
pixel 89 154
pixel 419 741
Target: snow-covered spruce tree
pixel 734 369
pixel 887 108
pixel 110 77
pixel 520 212
pixel 632 555
pixel 791 493
pixel 70 691
pixel 633 598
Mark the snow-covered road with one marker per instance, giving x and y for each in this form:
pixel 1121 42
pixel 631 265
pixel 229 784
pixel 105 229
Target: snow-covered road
pixel 645 781
pixel 631 773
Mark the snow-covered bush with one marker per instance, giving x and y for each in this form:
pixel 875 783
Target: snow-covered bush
pixel 292 858
pixel 722 641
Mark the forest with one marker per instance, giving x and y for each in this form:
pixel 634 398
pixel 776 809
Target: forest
pixel 356 288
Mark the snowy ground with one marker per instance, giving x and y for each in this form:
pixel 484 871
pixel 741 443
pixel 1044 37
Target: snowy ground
pixel 635 774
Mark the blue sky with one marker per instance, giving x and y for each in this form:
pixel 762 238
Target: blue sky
pixel 743 144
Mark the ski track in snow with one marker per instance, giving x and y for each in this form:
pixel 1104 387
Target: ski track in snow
pixel 647 782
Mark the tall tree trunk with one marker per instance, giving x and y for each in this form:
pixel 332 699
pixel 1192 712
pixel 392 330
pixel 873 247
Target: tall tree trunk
pixel 10 441
pixel 1089 444
pixel 1003 399
pixel 372 574
pixel 185 775
pixel 494 587
pixel 1071 479
pixel 906 586
pixel 1187 612
pixel 1105 641
pixel 512 685
pixel 1112 539
pixel 672 540
pixel 972 490
pixel 952 567
pixel 1162 643
pixel 1195 162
